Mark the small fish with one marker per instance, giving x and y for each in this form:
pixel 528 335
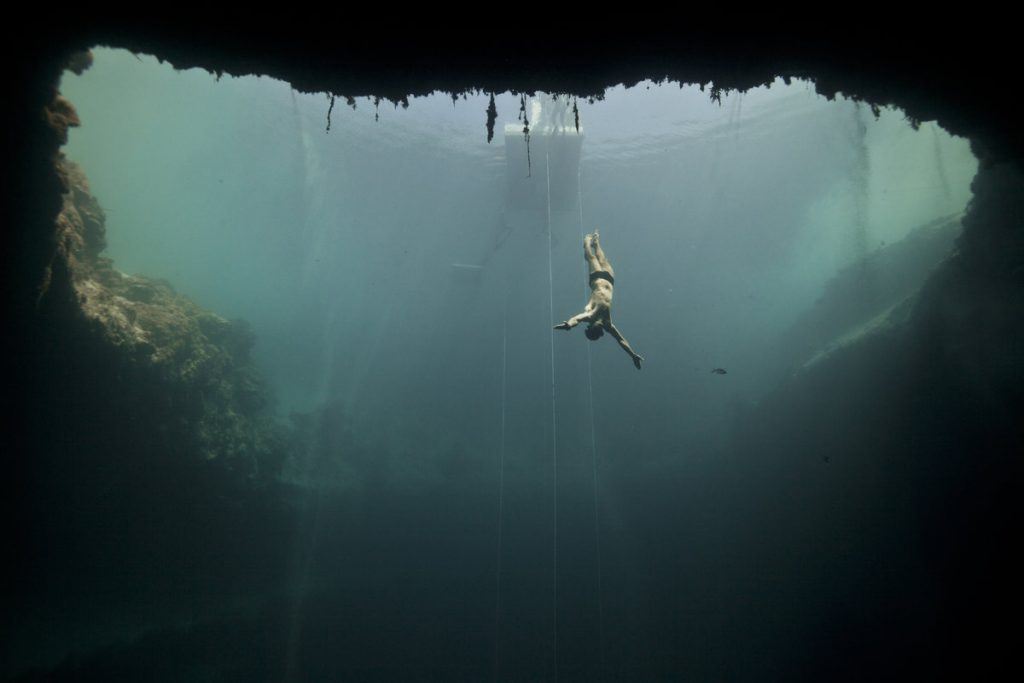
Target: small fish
pixel 719 371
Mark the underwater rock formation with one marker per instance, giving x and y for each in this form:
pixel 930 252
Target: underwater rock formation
pixel 874 292
pixel 899 452
pixel 143 453
pixel 202 390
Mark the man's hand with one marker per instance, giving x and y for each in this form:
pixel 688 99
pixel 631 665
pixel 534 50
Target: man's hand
pixel 563 326
pixel 637 360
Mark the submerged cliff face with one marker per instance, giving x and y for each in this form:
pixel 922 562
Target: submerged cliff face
pixel 900 456
pixel 192 365
pixel 148 455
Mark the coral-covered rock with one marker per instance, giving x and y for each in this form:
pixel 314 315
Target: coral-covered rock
pixel 193 364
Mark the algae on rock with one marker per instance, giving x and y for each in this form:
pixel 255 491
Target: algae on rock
pixel 191 365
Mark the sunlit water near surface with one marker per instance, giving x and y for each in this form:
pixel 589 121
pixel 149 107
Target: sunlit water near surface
pixel 725 222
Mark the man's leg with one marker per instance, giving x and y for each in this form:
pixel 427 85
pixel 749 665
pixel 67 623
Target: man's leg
pixel 602 262
pixel 588 253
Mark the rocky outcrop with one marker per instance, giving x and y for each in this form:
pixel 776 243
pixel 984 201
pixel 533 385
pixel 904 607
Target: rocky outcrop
pixel 190 367
pixel 900 448
pixel 872 293
pixel 143 457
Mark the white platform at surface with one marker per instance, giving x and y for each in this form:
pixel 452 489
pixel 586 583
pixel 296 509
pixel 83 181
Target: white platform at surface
pixel 550 146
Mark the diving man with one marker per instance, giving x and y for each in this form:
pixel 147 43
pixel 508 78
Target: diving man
pixel 598 311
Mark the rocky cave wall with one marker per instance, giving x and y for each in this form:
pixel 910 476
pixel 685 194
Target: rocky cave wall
pixel 193 365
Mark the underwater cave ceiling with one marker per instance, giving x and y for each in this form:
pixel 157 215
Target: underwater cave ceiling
pixel 951 73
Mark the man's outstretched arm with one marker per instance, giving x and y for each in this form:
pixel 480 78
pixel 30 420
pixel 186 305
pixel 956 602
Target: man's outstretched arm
pixel 637 358
pixel 572 322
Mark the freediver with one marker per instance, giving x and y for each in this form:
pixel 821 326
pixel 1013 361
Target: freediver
pixel 598 311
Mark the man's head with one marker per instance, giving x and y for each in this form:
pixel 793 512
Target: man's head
pixel 593 331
